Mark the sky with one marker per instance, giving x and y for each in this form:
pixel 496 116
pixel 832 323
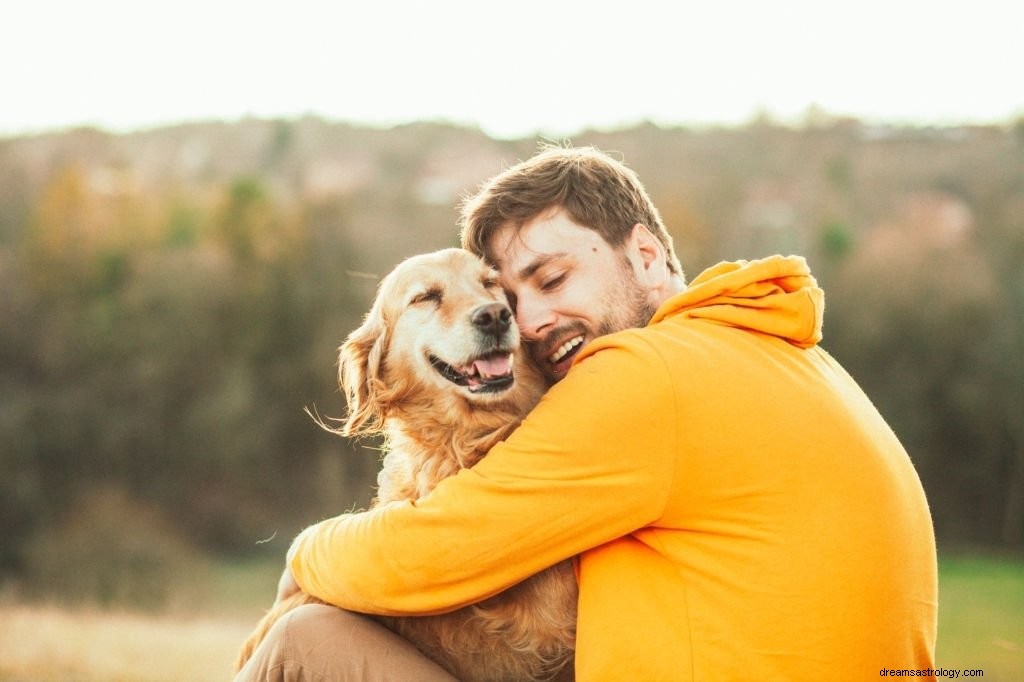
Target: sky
pixel 514 69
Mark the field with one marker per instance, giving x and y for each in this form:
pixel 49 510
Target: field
pixel 45 643
pixel 980 627
pixel 981 616
pixel 195 640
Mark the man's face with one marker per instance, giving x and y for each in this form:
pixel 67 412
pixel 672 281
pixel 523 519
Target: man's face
pixel 567 286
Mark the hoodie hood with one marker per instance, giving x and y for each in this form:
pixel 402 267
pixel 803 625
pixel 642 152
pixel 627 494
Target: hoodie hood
pixel 775 295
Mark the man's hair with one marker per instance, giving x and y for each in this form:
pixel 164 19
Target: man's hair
pixel 596 191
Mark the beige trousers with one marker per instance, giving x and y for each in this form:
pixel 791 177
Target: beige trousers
pixel 317 643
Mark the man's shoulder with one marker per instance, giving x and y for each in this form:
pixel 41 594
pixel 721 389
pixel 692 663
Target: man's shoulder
pixel 630 352
pixel 656 338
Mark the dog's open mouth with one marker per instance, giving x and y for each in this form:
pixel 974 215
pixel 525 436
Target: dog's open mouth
pixel 488 374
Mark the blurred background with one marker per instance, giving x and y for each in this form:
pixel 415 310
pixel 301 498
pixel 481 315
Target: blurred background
pixel 196 204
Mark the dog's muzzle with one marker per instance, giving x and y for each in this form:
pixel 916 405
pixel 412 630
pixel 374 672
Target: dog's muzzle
pixel 490 373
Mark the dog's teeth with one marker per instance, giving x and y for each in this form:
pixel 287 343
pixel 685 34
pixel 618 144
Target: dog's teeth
pixel 492 373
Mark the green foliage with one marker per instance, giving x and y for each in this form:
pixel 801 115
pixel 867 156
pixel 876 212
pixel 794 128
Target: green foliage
pixel 837 239
pixel 113 550
pixel 183 226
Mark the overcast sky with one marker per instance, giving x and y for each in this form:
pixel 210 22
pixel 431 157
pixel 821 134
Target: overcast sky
pixel 513 68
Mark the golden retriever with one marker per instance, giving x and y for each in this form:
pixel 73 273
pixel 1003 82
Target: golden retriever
pixel 436 369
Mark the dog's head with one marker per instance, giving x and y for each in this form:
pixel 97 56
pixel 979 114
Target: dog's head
pixel 440 334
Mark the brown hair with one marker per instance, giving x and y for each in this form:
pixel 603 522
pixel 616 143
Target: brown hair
pixel 596 191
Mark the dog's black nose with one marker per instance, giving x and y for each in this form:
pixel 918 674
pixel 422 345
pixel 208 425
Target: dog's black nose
pixel 493 318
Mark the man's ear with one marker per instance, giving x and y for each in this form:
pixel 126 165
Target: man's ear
pixel 650 253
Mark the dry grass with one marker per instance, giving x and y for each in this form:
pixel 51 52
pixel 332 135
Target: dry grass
pixel 981 599
pixel 42 643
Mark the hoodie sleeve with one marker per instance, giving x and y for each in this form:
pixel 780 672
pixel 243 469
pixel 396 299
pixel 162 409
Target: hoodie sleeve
pixel 593 462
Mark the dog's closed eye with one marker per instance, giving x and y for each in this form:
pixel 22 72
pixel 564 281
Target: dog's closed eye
pixel 432 295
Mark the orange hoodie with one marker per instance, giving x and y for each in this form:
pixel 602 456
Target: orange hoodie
pixel 739 507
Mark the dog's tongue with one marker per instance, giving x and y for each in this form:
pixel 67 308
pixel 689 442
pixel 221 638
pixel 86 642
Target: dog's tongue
pixel 497 366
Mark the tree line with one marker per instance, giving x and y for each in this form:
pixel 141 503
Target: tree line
pixel 173 300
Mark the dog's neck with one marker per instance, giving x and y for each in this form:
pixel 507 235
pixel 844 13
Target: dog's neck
pixel 450 436
pixel 425 444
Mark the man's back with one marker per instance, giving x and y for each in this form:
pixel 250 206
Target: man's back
pixel 796 541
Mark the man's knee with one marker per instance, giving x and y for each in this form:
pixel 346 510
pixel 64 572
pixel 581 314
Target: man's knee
pixel 319 642
pixel 308 620
pixel 317 634
pixel 301 644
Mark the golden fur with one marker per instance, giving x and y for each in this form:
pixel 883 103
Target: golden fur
pixel 436 314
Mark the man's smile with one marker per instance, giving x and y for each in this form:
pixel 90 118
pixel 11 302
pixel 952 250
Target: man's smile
pixel 565 349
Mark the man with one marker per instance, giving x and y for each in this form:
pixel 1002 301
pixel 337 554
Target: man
pixel 738 507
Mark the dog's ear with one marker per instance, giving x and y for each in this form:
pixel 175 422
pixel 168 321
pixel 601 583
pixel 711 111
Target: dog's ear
pixel 360 362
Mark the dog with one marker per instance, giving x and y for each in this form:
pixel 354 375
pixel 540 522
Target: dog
pixel 436 368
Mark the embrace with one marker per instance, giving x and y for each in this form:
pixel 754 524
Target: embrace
pixel 701 493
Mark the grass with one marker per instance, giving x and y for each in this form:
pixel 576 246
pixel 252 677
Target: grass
pixel 981 626
pixel 46 643
pixel 194 639
pixel 981 615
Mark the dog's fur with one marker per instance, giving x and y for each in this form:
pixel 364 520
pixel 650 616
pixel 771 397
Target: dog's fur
pixel 436 368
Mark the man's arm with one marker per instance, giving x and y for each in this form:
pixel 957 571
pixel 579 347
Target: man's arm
pixel 593 462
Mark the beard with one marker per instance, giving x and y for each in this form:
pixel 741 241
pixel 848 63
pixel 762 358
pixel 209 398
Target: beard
pixel 630 308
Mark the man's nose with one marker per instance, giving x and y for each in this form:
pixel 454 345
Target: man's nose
pixel 533 319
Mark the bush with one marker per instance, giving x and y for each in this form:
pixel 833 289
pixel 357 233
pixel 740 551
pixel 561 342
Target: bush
pixel 112 550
